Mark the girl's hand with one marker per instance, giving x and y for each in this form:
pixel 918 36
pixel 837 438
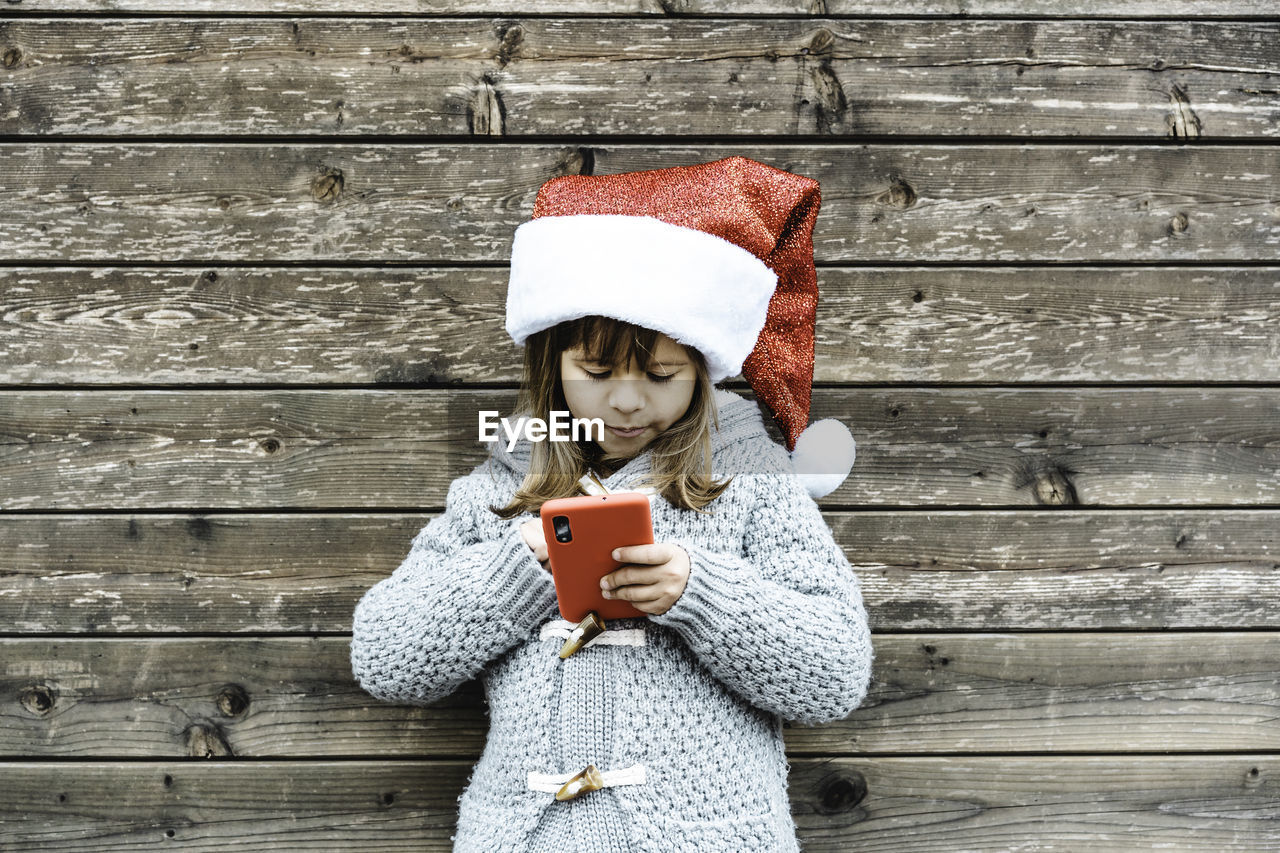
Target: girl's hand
pixel 537 541
pixel 656 581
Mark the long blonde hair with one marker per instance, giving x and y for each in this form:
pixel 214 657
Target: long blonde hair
pixel 681 455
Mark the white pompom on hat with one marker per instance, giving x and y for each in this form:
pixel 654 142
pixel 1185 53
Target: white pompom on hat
pixel 718 256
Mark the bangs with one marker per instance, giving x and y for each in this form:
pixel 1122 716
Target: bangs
pixel 608 341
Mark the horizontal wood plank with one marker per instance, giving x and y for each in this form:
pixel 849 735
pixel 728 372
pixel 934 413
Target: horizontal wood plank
pixel 930 694
pixel 658 77
pixel 1176 9
pixel 210 202
pixel 935 805
pixel 914 767
pixel 379 325
pixel 1075 570
pixel 361 448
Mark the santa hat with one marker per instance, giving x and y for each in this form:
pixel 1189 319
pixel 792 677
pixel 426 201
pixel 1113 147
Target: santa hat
pixel 717 256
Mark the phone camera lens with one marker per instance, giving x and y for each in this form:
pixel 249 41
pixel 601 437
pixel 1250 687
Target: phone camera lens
pixel 561 525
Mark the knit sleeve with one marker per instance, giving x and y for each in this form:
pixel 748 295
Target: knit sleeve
pixel 455 603
pixel 782 624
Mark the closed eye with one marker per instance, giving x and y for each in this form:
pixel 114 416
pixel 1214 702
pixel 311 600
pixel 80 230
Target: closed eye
pixel 656 377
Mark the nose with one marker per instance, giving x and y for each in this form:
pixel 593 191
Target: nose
pixel 627 395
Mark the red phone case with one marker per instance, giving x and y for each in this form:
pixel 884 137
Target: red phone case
pixel 598 524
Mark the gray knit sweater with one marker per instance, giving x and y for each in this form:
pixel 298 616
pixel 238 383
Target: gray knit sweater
pixel 682 712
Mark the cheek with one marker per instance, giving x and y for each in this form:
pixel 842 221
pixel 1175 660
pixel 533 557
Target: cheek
pixel 679 403
pixel 578 398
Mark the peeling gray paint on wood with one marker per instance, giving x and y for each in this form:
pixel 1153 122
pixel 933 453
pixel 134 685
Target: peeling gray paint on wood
pixel 923 570
pixel 436 325
pixel 1174 9
pixel 918 446
pixel 1120 529
pixel 942 803
pixel 944 694
pixel 655 76
pixel 450 203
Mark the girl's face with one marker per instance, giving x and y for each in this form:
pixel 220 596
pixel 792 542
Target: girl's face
pixel 651 399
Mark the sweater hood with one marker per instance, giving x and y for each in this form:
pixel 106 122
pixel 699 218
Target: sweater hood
pixel 740 423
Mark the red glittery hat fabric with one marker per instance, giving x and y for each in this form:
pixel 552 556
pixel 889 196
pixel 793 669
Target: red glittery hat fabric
pixel 767 211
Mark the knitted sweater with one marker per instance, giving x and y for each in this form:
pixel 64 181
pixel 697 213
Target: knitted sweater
pixel 682 712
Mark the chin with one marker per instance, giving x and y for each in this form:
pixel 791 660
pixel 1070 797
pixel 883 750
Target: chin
pixel 615 450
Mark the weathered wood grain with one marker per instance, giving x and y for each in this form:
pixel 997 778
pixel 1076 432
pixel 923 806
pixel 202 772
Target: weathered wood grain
pixel 930 694
pixel 210 202
pixel 362 448
pixel 379 325
pixel 1078 570
pixel 964 741
pixel 659 77
pixel 1154 691
pixel 1175 9
pixel 937 570
pixel 936 805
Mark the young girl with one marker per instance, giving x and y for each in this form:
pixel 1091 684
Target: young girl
pixel 632 295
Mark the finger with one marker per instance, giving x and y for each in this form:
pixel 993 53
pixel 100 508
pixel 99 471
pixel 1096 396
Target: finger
pixel 637 592
pixel 655 554
pixel 628 575
pixel 646 594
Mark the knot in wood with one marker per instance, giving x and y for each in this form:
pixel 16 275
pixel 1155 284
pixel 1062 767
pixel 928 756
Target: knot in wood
pixel 12 57
pixel 821 43
pixel 206 741
pixel 486 114
pixel 841 791
pixel 328 186
pixel 578 161
pixel 232 700
pixel 900 195
pixel 832 106
pixel 39 699
pixel 1052 488
pixel 510 37
pixel 1179 223
pixel 199 527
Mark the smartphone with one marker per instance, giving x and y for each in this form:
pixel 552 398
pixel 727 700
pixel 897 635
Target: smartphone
pixel 581 534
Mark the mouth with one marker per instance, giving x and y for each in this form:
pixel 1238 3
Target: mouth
pixel 626 433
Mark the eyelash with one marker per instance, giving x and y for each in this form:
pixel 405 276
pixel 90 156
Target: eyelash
pixel 656 377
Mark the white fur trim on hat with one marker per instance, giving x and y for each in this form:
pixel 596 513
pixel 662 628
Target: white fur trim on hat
pixel 700 289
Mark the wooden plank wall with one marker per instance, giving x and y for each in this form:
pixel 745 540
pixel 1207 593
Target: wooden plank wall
pixel 251 289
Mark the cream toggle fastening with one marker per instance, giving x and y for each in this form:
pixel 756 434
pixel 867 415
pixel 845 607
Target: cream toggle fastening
pixel 584 632
pixel 562 628
pixel 551 783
